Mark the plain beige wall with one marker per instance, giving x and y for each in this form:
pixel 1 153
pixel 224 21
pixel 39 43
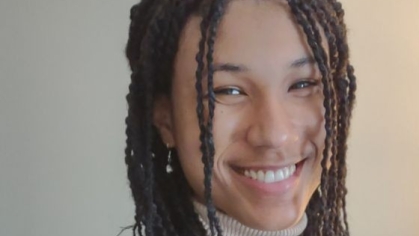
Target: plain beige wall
pixel 384 147
pixel 63 79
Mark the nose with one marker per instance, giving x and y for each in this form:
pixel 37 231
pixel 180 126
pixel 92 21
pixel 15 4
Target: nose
pixel 272 126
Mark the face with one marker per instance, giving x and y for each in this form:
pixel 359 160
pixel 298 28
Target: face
pixel 269 118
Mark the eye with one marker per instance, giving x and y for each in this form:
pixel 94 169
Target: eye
pixel 303 84
pixel 229 95
pixel 228 91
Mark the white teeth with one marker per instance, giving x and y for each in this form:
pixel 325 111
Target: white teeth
pixel 261 176
pixel 286 171
pixel 292 169
pixel 271 176
pixel 253 174
pixel 279 175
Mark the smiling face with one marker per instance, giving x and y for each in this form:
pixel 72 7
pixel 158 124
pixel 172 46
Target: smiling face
pixel 269 118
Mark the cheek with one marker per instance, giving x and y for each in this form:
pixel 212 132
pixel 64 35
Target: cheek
pixel 310 118
pixel 186 134
pixel 317 135
pixel 318 132
pixel 226 128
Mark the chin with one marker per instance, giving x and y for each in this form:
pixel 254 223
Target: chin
pixel 265 216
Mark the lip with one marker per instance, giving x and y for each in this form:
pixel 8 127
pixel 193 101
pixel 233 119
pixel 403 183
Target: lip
pixel 269 189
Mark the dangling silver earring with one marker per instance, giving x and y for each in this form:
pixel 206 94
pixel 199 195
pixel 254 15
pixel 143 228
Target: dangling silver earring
pixel 169 168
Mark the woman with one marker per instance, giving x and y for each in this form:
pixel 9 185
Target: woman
pixel 238 117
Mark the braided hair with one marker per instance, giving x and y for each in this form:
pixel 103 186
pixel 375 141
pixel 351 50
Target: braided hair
pixel 154 33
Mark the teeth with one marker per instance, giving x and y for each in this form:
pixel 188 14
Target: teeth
pixel 271 176
pixel 279 175
pixel 253 174
pixel 292 169
pixel 261 176
pixel 286 171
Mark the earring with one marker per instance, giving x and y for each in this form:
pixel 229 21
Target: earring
pixel 169 168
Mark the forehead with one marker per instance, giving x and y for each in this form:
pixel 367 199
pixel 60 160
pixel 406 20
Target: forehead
pixel 260 29
pixel 262 35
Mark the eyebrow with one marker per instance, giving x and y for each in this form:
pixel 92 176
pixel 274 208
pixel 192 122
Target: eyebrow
pixel 229 67
pixel 302 62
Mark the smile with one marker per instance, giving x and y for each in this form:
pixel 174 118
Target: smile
pixel 270 176
pixel 269 180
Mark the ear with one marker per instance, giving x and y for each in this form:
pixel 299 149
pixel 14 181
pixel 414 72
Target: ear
pixel 162 119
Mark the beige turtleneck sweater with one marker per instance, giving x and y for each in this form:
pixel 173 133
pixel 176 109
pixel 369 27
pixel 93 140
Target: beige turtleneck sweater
pixel 232 227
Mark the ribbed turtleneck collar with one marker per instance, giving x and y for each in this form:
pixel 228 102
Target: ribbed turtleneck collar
pixel 232 227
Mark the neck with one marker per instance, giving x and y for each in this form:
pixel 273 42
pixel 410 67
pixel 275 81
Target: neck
pixel 232 227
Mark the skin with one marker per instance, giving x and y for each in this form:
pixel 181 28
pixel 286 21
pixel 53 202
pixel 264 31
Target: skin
pixel 268 116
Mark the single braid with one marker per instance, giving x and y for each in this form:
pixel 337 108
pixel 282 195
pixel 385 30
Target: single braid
pixel 213 25
pixel 208 12
pixel 200 104
pixel 345 133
